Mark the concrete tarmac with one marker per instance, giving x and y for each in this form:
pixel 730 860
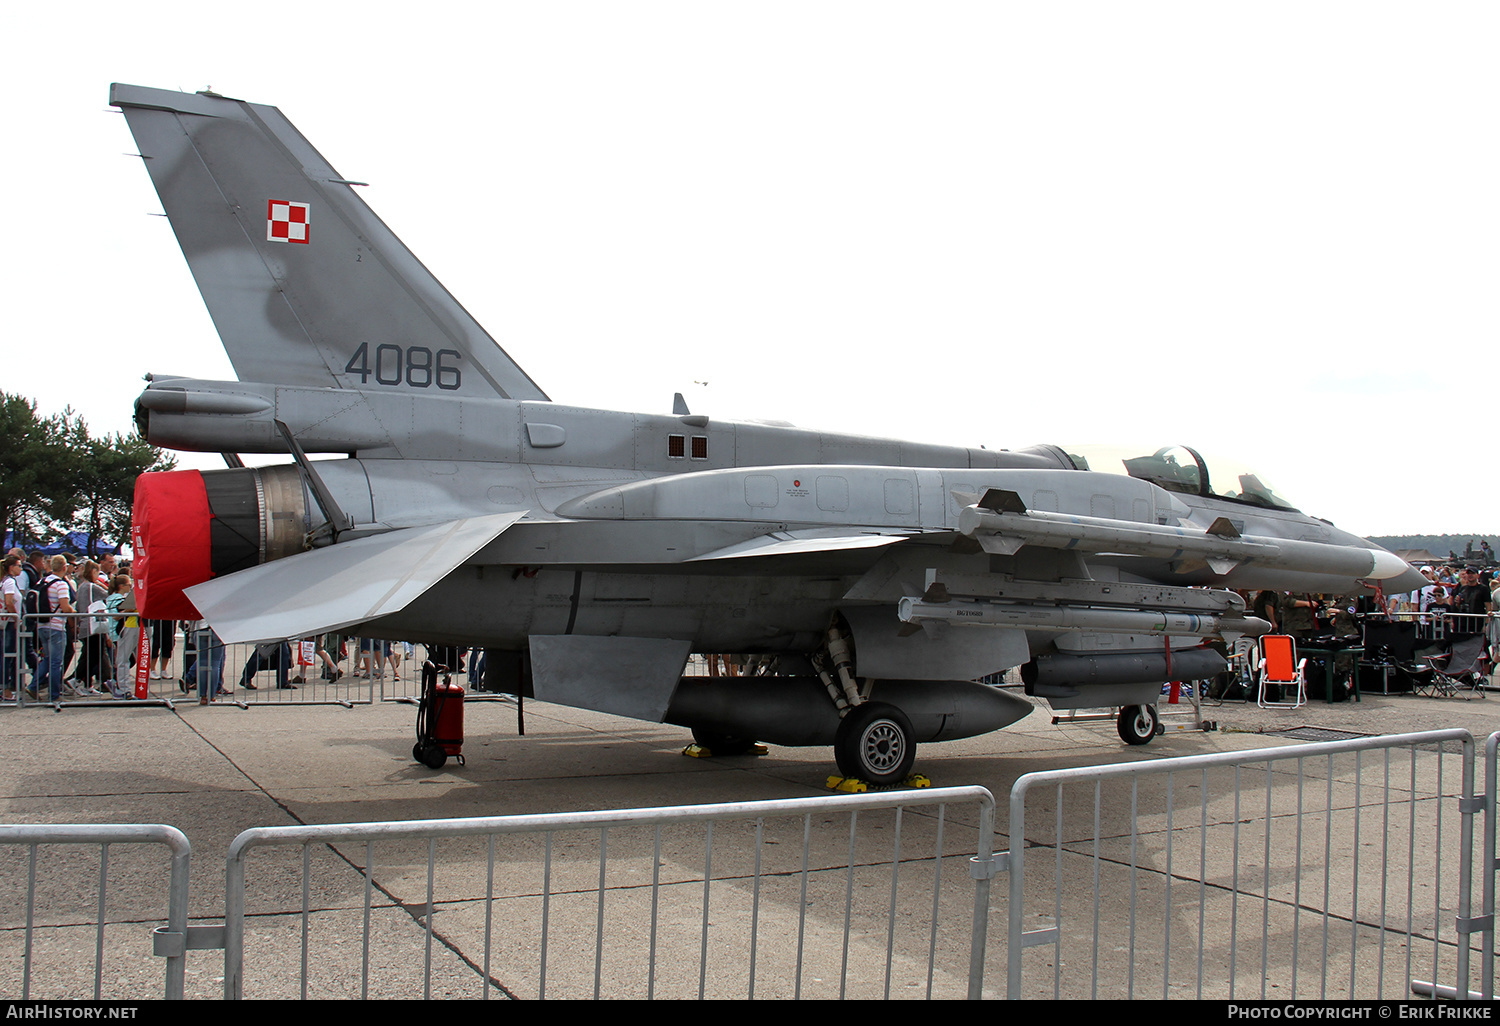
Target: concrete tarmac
pixel 217 770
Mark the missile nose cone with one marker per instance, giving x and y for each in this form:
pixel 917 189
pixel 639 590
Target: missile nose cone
pixel 1408 580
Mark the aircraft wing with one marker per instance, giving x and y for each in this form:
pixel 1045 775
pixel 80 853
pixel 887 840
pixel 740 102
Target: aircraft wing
pixel 787 543
pixel 343 584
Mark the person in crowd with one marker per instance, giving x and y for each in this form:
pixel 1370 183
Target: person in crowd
pixel 1494 624
pixel 1470 597
pixel 1298 615
pixel 277 654
pixel 11 604
pixel 1267 606
pixel 1434 598
pixel 72 624
pixel 94 657
pixel 52 632
pixel 330 649
pixel 163 640
pixel 33 570
pixel 125 632
pixel 399 649
pixel 204 668
pixel 476 668
pixel 189 630
pixel 373 655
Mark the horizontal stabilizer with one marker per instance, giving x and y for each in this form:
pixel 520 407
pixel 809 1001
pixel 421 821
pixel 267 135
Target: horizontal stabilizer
pixel 348 583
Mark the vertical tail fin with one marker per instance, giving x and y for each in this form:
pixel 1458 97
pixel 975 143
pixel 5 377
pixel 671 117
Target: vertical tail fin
pixel 304 283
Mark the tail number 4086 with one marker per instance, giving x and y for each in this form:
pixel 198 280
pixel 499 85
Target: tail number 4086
pixel 413 366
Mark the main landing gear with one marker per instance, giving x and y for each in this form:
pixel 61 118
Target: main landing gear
pixel 874 744
pixel 874 739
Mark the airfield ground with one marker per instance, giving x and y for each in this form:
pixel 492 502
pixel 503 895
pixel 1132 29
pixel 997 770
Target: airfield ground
pixel 215 771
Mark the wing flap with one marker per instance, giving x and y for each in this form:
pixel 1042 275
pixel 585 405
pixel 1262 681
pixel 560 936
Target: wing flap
pixel 787 543
pixel 348 583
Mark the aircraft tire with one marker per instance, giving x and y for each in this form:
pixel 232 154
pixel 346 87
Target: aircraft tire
pixel 874 744
pixel 1137 724
pixel 722 744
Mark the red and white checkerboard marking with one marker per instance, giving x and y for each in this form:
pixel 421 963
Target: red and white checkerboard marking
pixel 287 221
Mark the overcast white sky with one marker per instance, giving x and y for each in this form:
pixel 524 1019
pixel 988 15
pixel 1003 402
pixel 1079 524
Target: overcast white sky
pixel 1265 230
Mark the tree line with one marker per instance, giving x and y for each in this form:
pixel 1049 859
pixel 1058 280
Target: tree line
pixel 58 478
pixel 1438 544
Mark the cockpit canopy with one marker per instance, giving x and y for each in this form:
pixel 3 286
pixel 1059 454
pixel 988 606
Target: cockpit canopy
pixel 1180 469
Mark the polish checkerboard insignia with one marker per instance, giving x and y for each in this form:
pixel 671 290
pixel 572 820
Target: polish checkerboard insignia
pixel 287 221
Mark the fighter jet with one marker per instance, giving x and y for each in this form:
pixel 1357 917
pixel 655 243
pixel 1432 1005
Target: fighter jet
pixel 865 584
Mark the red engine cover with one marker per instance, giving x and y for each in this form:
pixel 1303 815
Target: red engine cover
pixel 169 533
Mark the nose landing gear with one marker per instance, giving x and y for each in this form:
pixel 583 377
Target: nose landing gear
pixel 1138 724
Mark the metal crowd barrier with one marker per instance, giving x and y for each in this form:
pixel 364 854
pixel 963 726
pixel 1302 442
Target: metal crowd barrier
pixel 21 660
pixel 1341 869
pixel 59 929
pixel 1464 623
pixel 361 671
pixel 632 903
pixel 1438 624
pixel 1488 868
pixel 1428 624
pixel 1312 871
pixel 357 673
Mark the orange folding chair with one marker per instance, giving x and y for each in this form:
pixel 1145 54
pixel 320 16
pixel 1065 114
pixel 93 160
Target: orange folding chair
pixel 1280 678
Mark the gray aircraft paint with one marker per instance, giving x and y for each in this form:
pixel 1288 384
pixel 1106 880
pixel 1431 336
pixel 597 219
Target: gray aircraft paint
pixel 609 545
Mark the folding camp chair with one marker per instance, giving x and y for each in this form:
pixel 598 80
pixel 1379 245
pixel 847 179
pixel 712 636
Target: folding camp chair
pixel 1278 673
pixel 1460 670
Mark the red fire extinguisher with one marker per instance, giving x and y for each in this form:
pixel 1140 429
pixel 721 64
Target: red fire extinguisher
pixel 440 719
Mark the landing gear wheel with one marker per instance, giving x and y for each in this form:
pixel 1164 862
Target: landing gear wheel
pixel 874 744
pixel 722 744
pixel 1137 724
